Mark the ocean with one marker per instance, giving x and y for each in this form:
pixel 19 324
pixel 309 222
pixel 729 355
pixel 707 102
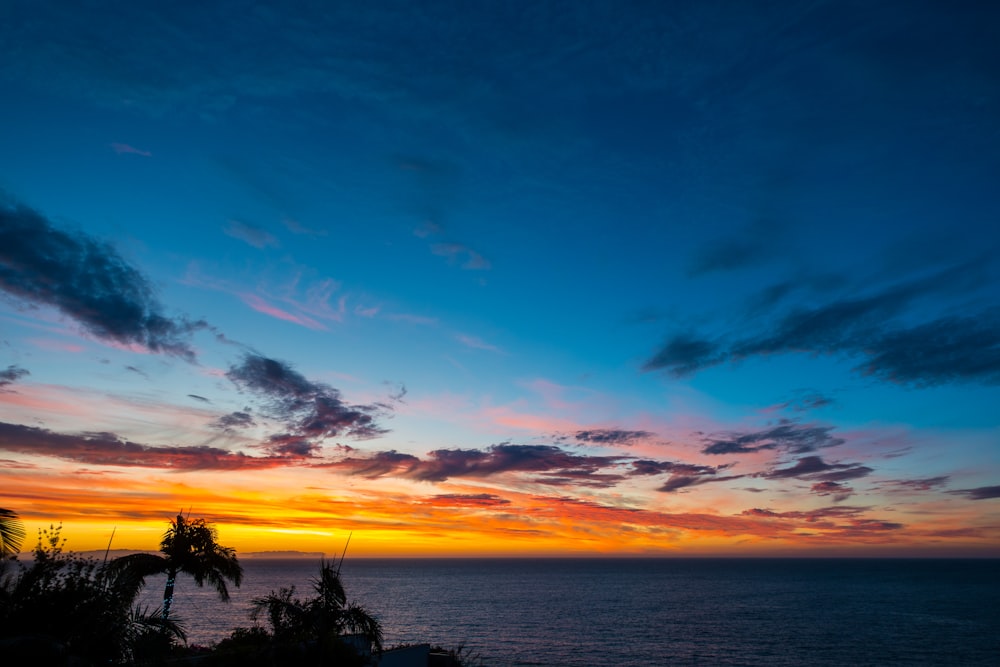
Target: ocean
pixel 603 612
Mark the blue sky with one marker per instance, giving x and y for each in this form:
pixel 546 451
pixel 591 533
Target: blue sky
pixel 592 237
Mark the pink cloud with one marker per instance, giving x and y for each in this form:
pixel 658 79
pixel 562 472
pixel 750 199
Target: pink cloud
pixel 125 148
pixel 55 345
pixel 317 299
pixel 506 416
pixel 305 311
pixel 264 307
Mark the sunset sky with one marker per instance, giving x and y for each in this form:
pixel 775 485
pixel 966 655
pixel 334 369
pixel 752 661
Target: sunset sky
pixel 512 278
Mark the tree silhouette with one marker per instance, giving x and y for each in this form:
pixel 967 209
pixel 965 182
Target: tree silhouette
pixel 189 546
pixel 64 609
pixel 322 620
pixel 11 533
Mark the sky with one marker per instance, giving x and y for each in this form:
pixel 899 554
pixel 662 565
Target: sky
pixel 503 279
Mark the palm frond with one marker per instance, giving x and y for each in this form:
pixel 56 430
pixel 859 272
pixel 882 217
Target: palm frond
pixel 11 533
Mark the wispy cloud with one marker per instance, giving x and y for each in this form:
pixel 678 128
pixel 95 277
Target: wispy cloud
pixel 107 449
pixel 262 306
pixel 457 253
pixel 251 234
pixel 471 500
pixel 757 243
pixel 787 436
pixel 476 343
pixel 838 490
pixel 804 401
pixel 815 468
pixel 611 436
pixel 304 302
pixel 979 493
pixel 11 374
pixel 409 318
pixel 296 227
pixel 549 462
pixel 841 521
pixel 55 345
pixel 682 475
pixel 922 484
pixel 310 411
pixel 88 281
pixel 942 350
pixel 125 148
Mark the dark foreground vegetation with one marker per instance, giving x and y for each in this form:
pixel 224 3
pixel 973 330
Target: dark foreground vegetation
pixel 64 609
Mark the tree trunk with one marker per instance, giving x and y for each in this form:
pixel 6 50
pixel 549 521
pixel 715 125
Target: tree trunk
pixel 168 591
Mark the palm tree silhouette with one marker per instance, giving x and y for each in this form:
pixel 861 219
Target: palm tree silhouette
pixel 325 618
pixel 190 546
pixel 11 533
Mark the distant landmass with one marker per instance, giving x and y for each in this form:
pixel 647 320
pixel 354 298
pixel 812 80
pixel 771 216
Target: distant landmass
pixel 282 554
pixel 113 553
pixel 116 553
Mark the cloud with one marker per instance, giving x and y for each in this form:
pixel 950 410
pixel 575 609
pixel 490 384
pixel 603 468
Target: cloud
pixel 675 482
pixel 840 492
pixel 251 234
pixel 685 354
pixel 752 246
pixel 296 227
pixel 979 493
pixel 291 447
pixel 125 148
pixel 427 228
pixel 88 281
pixel 815 468
pixel 806 401
pixel 851 521
pixel 467 500
pixel 555 465
pixel 378 464
pixel 609 436
pixel 924 484
pixel 949 349
pixel 682 475
pixel 262 306
pixel 458 253
pixel 786 436
pixel 12 374
pixel 307 301
pixel 110 450
pixel 942 350
pixel 233 421
pixel 200 399
pixel 309 410
pixel 476 343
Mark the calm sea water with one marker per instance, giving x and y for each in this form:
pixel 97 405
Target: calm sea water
pixel 604 612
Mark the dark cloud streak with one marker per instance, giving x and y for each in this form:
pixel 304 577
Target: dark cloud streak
pixel 786 436
pixel 936 351
pixel 86 280
pixel 309 410
pixel 12 374
pixel 607 436
pixel 979 493
pixel 109 449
